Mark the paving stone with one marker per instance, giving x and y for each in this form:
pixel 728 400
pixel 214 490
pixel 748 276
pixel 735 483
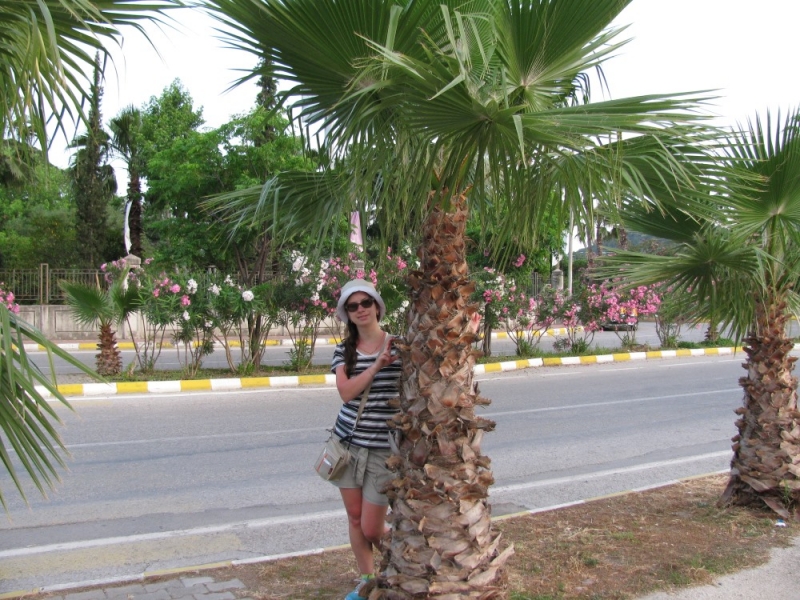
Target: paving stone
pixel 169 584
pixel 190 581
pixel 190 592
pixel 231 584
pixel 161 594
pixel 98 594
pixel 215 596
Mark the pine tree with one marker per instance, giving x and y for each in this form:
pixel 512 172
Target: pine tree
pixel 93 179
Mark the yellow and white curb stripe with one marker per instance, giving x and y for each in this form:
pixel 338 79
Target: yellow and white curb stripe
pixel 513 365
pixel 236 383
pixel 144 576
pixel 167 345
pixel 332 341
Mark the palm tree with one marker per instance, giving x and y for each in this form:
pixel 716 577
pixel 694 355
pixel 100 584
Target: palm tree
pixel 432 109
pixel 126 142
pixel 92 305
pixel 739 260
pixel 47 49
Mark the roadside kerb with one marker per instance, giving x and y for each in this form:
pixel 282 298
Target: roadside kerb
pixel 332 341
pixel 236 383
pixel 144 576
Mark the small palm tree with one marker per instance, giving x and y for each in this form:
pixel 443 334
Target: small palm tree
pixel 433 109
pixel 92 305
pixel 739 261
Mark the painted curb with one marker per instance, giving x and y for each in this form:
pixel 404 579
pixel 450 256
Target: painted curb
pixel 332 341
pixel 236 383
pixel 145 575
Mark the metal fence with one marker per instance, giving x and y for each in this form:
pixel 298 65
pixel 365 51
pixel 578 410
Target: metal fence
pixel 40 286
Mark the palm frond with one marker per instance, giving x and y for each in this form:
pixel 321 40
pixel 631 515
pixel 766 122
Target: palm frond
pixel 26 418
pixel 89 304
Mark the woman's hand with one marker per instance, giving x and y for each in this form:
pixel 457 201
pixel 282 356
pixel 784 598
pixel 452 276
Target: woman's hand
pixel 475 322
pixel 385 358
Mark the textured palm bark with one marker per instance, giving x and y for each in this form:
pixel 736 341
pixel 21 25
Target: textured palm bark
pixel 109 360
pixel 766 460
pixel 442 543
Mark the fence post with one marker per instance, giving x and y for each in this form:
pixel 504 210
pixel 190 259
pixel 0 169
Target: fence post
pixel 44 283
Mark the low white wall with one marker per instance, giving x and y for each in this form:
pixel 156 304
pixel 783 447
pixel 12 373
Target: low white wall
pixel 57 323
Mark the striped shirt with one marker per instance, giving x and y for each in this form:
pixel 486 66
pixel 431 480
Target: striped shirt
pixel 372 430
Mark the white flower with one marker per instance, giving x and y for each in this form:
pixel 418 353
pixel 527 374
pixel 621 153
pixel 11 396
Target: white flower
pixel 405 304
pixel 247 296
pixel 191 286
pixel 208 324
pixel 214 289
pixel 315 297
pixel 186 315
pixel 228 280
pixel 298 260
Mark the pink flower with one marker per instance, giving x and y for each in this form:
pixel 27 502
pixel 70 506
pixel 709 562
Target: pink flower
pixel 185 301
pixel 175 288
pixel 103 267
pixel 520 260
pixel 156 293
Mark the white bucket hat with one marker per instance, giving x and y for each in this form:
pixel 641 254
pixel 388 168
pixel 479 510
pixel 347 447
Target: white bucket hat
pixel 350 288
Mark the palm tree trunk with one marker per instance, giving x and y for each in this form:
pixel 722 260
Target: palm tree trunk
pixel 766 459
pixel 109 359
pixel 135 215
pixel 442 542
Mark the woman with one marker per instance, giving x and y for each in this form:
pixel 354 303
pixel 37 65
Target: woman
pixel 365 360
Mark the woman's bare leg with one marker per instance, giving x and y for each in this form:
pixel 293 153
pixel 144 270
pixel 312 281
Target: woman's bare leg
pixel 366 525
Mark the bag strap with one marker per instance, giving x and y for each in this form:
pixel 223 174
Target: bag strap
pixel 361 406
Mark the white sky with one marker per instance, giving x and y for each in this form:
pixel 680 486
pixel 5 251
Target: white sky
pixel 746 49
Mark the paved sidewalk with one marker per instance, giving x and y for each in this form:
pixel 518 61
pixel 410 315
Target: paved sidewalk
pixel 188 588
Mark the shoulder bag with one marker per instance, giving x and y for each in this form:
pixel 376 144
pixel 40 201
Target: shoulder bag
pixel 335 455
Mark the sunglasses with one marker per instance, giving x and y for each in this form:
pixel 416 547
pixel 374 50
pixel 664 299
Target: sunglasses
pixel 353 306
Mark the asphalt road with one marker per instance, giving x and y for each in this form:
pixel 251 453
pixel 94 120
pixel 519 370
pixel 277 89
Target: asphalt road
pixel 166 481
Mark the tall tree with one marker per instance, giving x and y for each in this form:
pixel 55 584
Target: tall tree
pixel 93 178
pixel 127 142
pixel 441 107
pixel 739 261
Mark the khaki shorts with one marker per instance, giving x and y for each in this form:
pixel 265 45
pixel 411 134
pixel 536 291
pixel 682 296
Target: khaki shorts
pixel 367 470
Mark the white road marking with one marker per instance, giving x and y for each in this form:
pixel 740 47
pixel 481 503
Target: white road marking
pixel 215 436
pixel 320 516
pixel 608 403
pixel 598 474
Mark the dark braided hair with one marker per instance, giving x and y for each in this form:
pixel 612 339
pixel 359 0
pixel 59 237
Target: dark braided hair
pixel 350 353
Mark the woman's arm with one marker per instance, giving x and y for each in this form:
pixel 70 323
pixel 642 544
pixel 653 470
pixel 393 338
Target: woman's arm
pixel 353 387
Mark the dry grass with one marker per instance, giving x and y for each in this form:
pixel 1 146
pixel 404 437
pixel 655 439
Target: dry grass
pixel 614 548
